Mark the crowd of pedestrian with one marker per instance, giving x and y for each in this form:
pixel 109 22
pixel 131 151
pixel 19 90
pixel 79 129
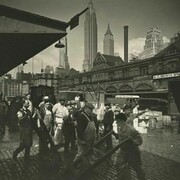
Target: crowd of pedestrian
pixel 74 126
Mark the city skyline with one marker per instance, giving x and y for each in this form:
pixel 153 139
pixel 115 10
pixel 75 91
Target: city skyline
pixel 139 15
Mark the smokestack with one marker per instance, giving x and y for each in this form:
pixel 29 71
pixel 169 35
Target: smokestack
pixel 126 43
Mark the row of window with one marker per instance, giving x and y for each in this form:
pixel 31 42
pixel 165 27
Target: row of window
pixel 160 67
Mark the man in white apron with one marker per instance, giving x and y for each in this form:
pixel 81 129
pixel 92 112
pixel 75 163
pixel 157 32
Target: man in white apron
pixel 60 112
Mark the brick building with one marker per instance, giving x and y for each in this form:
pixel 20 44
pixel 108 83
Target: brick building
pixel 147 77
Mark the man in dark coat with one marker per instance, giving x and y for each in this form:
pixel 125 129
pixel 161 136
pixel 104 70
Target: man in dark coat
pixel 86 130
pixel 25 128
pixel 108 124
pixel 69 129
pixel 3 113
pixel 129 154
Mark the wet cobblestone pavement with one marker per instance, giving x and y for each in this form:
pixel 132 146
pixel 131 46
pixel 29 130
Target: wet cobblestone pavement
pixel 160 157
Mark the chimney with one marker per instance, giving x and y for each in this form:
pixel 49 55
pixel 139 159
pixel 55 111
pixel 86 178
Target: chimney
pixel 125 43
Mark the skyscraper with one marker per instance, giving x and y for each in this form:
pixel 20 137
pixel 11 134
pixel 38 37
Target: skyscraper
pixel 63 57
pixel 108 42
pixel 153 43
pixel 90 38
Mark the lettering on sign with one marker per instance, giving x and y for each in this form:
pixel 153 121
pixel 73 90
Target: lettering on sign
pixel 163 76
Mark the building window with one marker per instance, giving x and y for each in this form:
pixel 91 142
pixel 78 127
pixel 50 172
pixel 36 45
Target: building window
pixel 80 80
pixel 89 78
pixel 172 52
pixel 144 70
pixel 160 67
pixel 125 72
pixel 111 75
pixel 172 66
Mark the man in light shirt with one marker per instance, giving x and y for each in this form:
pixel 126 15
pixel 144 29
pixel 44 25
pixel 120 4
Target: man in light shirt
pixel 60 112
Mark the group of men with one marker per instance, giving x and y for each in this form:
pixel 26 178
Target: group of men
pixel 64 123
pixel 68 124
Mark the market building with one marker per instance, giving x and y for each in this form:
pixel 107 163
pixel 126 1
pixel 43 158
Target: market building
pixel 146 78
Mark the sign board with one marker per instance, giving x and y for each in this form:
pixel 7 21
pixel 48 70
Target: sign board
pixel 163 76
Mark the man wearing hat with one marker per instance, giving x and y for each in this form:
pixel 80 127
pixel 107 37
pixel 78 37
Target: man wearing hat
pixel 108 124
pixel 131 116
pixel 60 112
pixel 129 154
pixel 69 129
pixel 86 130
pixel 45 116
pixel 26 129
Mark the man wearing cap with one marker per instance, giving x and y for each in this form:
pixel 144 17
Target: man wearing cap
pixel 129 154
pixel 86 130
pixel 26 129
pixel 108 124
pixel 131 116
pixel 69 129
pixel 45 116
pixel 60 112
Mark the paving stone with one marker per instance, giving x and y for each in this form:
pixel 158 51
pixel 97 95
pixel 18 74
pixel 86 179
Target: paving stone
pixel 160 157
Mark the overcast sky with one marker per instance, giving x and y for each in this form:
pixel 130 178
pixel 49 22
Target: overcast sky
pixel 139 15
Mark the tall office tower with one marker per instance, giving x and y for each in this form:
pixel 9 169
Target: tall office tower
pixel 63 57
pixel 108 42
pixel 153 43
pixel 90 38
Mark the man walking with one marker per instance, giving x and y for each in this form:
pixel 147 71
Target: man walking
pixel 131 116
pixel 60 113
pixel 46 125
pixel 129 154
pixel 108 124
pixel 3 113
pixel 25 128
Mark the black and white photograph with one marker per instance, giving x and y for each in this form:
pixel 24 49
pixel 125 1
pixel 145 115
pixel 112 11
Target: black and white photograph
pixel 89 89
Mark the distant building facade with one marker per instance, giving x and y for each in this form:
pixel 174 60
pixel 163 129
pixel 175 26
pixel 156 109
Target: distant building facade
pixel 11 87
pixel 16 87
pixel 53 80
pixel 108 43
pixel 153 43
pixel 90 38
pixel 146 78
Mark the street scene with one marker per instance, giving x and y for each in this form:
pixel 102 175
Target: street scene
pixel 89 90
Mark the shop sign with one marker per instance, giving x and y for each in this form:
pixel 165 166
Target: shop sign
pixel 163 76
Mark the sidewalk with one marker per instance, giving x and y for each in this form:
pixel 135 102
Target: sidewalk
pixel 160 157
